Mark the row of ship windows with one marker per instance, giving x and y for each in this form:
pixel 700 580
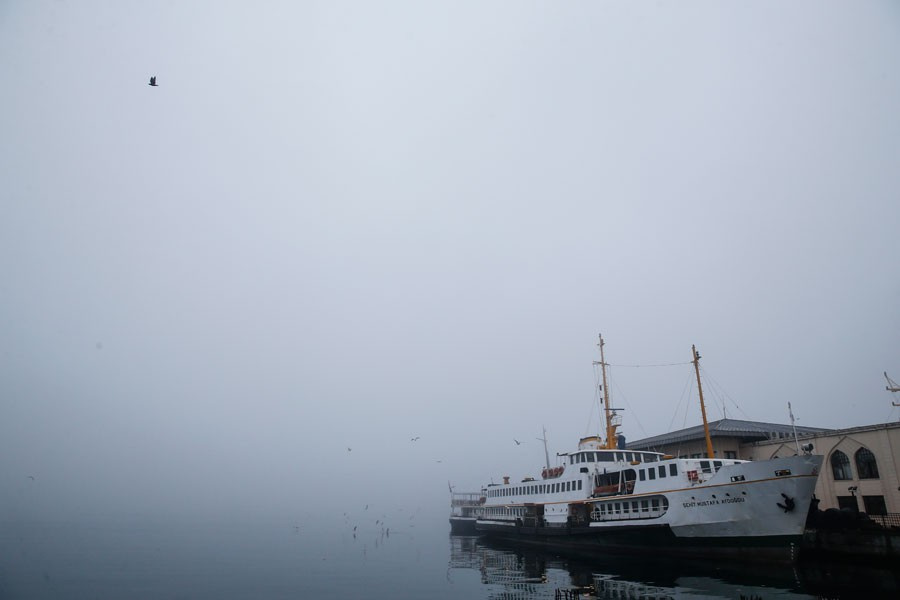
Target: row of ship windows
pixel 635 506
pixel 540 488
pixel 651 472
pixel 612 457
pixel 504 512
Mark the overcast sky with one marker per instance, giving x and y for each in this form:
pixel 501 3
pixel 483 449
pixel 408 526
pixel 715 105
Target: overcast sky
pixel 335 226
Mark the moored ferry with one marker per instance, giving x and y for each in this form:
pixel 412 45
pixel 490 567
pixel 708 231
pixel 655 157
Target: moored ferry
pixel 465 509
pixel 604 495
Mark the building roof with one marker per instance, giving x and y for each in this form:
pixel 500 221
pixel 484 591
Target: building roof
pixel 838 432
pixel 745 431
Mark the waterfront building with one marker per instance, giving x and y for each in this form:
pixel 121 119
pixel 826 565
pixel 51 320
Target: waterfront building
pixel 861 469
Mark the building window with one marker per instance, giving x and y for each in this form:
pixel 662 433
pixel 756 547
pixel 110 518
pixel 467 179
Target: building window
pixel 866 465
pixel 731 454
pixel 875 505
pixel 847 502
pixel 840 466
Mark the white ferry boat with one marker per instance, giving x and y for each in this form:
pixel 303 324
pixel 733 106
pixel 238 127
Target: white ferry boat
pixel 465 509
pixel 602 495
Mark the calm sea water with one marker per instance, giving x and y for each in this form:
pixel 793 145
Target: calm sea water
pixel 395 558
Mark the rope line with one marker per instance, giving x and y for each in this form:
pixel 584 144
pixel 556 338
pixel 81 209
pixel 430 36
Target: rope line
pixel 628 406
pixel 678 364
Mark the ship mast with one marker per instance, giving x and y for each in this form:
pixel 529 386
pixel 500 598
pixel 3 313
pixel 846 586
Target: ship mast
pixel 696 361
pixel 610 416
pixel 546 452
pixel 794 428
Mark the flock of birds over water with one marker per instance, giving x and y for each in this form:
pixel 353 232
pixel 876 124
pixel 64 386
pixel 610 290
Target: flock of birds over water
pixel 358 531
pixel 383 531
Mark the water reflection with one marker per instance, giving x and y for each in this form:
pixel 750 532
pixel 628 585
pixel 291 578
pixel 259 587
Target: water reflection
pixel 530 573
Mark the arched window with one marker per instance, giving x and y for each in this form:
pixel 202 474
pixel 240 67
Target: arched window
pixel 865 464
pixel 840 465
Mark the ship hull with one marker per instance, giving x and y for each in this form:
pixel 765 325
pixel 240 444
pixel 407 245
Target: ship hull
pixel 658 539
pixel 463 526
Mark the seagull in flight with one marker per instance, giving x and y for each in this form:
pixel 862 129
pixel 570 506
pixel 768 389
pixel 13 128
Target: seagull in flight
pixel 153 81
pixel 415 439
pixel 518 443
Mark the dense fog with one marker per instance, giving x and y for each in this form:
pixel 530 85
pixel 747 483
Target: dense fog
pixel 346 254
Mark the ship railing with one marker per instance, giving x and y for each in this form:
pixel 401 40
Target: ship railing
pixel 465 495
pixel 465 499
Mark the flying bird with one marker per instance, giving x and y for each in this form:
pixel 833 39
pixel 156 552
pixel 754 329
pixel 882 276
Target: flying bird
pixel 153 81
pixel 518 443
pixel 415 439
pixel 349 449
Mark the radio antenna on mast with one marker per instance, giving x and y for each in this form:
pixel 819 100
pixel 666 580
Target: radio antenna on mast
pixel 892 387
